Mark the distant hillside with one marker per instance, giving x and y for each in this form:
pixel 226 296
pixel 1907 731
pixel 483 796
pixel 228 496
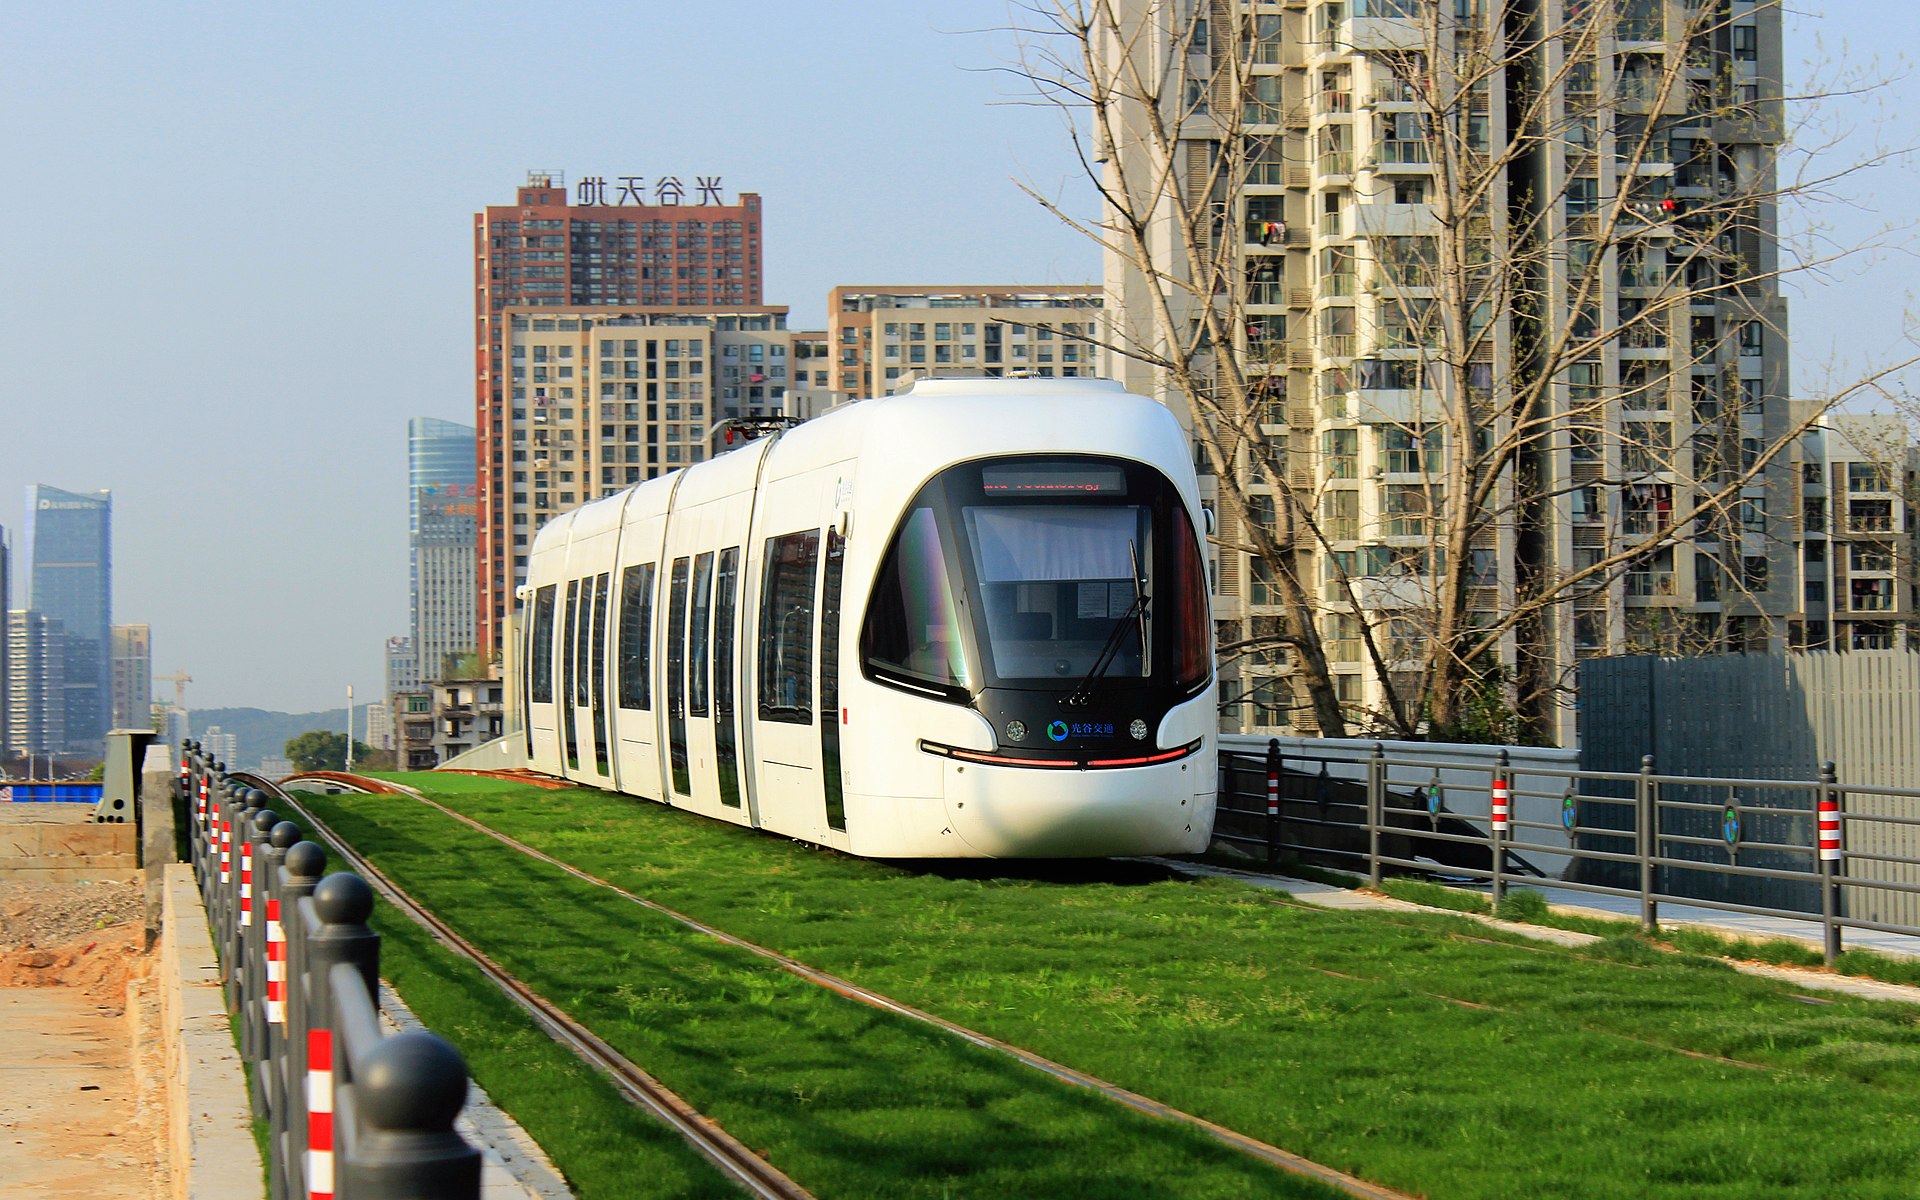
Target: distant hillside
pixel 262 733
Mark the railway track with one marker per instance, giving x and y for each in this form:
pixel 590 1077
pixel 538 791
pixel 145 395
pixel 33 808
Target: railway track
pixel 733 1158
pixel 1275 1156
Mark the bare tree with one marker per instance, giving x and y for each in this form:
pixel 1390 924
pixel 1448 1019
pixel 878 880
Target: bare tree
pixel 1463 302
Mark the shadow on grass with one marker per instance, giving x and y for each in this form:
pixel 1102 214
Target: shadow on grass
pixel 1117 872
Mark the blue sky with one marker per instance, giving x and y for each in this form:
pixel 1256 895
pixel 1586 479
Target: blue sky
pixel 235 250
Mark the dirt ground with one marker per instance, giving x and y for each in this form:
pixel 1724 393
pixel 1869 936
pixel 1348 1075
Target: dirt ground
pixel 81 1106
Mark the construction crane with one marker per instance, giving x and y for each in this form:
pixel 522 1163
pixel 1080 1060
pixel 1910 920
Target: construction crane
pixel 180 680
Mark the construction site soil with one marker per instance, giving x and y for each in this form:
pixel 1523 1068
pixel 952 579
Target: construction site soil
pixel 82 1113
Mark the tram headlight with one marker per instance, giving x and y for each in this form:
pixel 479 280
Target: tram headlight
pixel 1016 731
pixel 1138 729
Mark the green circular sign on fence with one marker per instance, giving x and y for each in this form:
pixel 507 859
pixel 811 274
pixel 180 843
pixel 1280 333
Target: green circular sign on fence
pixel 1730 827
pixel 1569 811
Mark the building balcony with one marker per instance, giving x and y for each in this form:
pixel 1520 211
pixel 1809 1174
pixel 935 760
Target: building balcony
pixel 1651 584
pixel 1400 154
pixel 1336 164
pixel 1394 91
pixel 1391 591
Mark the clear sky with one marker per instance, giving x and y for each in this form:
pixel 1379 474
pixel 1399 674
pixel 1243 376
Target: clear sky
pixel 235 250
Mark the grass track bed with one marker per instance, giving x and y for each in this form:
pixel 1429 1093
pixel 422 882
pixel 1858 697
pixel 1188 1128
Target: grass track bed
pixel 848 1101
pixel 1419 1052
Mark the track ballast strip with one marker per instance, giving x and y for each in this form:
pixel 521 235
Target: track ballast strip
pixel 718 1146
pixel 1285 1160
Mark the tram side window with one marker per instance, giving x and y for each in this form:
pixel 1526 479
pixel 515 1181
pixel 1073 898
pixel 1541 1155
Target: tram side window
pixel 540 671
pixel 636 637
pixel 697 642
pixel 786 628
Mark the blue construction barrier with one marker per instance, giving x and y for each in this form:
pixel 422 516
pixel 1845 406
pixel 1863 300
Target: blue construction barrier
pixel 50 793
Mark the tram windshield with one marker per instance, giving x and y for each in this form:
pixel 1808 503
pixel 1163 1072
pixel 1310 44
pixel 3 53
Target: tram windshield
pixel 1037 572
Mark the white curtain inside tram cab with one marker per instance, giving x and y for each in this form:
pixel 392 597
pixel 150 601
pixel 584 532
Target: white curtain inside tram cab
pixel 1032 544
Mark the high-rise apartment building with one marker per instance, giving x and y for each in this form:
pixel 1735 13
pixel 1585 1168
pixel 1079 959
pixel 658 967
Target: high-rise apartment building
pixel 221 745
pixel 6 656
pixel 443 523
pixel 877 335
pixel 634 241
pixel 617 395
pixel 403 666
pixel 1859 544
pixel 68 546
pixel 36 683
pixel 1486 297
pixel 132 655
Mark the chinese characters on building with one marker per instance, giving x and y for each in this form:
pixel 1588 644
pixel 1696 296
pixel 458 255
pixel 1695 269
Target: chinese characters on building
pixel 634 189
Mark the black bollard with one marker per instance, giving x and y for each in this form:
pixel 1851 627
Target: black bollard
pixel 335 933
pixel 407 1091
pixel 253 938
pixel 305 863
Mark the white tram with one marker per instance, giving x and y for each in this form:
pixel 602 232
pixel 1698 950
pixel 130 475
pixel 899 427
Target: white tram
pixel 969 620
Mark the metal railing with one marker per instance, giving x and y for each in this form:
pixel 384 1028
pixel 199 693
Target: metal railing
pixel 351 1112
pixel 1764 847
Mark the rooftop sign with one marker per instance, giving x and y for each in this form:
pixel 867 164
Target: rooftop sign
pixel 633 189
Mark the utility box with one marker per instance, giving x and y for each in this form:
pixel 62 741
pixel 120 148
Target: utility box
pixel 120 783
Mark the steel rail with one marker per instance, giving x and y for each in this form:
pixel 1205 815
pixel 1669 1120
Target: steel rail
pixel 719 1147
pixel 1284 1160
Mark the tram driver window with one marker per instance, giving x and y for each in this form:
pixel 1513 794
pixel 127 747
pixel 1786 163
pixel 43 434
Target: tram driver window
pixel 1055 579
pixel 786 628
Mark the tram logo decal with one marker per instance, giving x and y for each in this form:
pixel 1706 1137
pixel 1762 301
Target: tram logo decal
pixel 1060 731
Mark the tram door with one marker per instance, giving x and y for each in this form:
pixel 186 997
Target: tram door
pixel 787 700
pixel 583 649
pixel 538 691
pixel 702 634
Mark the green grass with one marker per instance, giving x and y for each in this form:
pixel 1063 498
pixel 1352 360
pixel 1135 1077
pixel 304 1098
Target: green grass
pixel 1530 907
pixel 1424 1051
pixel 848 1100
pixel 603 1145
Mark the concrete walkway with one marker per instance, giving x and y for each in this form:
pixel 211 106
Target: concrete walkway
pixel 1731 925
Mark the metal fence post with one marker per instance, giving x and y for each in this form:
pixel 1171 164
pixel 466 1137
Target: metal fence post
pixel 1832 864
pixel 1647 810
pixel 407 1090
pixel 336 934
pixel 305 862
pixel 269 1070
pixel 1273 801
pixel 253 940
pixel 1376 810
pixel 1500 810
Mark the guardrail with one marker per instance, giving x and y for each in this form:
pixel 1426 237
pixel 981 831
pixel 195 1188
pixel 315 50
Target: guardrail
pixel 351 1112
pixel 46 792
pixel 1766 847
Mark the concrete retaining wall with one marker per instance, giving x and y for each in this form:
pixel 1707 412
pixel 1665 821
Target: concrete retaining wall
pixel 210 1142
pixel 60 843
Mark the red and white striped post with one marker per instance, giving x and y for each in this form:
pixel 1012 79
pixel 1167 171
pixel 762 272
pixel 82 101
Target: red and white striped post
pixel 1500 809
pixel 1829 828
pixel 276 969
pixel 337 935
pixel 246 882
pixel 320 1114
pixel 1830 857
pixel 226 841
pixel 1273 801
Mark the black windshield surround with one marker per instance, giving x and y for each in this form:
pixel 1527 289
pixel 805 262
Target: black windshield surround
pixel 1008 579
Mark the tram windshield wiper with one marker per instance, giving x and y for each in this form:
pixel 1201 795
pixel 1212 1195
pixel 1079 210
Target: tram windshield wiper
pixel 1110 651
